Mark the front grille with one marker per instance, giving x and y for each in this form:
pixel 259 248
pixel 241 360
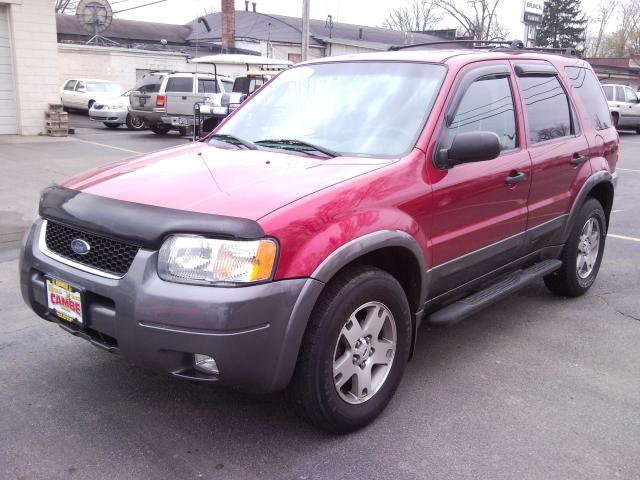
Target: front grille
pixel 107 255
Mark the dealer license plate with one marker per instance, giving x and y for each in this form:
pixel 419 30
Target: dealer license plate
pixel 182 121
pixel 143 101
pixel 64 301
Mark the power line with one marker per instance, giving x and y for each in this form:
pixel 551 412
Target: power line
pixel 140 6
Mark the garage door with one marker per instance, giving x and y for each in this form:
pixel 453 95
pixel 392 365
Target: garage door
pixel 8 121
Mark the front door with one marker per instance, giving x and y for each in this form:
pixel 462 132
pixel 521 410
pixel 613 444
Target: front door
pixel 480 209
pixel 629 108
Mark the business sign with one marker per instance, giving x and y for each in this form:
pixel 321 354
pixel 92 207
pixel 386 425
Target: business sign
pixel 532 12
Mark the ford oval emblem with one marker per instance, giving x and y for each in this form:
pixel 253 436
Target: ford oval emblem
pixel 79 246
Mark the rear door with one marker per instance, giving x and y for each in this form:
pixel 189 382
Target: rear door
pixel 602 135
pixel 480 216
pixel 557 145
pixel 78 95
pixel 181 95
pixel 630 108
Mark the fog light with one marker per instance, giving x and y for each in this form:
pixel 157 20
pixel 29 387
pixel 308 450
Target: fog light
pixel 205 364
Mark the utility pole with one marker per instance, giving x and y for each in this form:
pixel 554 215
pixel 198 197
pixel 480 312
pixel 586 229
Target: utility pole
pixel 305 29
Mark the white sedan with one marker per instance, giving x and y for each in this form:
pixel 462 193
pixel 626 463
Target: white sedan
pixel 84 92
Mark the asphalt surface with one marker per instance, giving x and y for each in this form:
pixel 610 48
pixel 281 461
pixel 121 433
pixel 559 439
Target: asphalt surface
pixel 535 387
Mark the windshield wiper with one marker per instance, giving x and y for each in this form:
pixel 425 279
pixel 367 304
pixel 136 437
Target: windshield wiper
pixel 298 145
pixel 223 137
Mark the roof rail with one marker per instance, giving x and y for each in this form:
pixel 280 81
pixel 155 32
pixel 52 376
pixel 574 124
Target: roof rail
pixel 493 45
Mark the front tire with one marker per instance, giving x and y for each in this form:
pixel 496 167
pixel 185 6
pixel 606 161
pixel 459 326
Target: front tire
pixel 354 352
pixel 582 254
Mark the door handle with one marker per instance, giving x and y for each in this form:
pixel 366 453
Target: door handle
pixel 578 159
pixel 184 97
pixel 516 178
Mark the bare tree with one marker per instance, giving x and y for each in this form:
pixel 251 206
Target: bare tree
pixel 477 18
pixel 414 16
pixel 626 38
pixel 65 6
pixel 605 10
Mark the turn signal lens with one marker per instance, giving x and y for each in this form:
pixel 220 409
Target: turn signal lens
pixel 199 260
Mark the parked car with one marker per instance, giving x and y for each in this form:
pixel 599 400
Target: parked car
pixel 84 92
pixel 624 105
pixel 302 244
pixel 219 105
pixel 165 101
pixel 115 112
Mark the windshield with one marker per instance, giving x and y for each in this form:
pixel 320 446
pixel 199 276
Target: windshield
pixel 103 87
pixel 355 108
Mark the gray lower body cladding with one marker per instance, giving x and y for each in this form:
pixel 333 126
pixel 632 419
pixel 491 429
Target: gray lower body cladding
pixel 252 332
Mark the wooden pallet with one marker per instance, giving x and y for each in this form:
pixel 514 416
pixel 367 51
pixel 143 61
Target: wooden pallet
pixel 57 132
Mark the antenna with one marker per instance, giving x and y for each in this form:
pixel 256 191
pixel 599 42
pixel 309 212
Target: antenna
pixel 95 16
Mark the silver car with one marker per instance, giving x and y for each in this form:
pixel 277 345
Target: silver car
pixel 624 105
pixel 115 112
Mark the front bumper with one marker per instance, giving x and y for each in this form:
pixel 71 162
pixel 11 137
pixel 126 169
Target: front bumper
pixel 253 332
pixel 108 116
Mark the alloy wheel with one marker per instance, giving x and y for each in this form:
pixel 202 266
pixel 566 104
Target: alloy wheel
pixel 588 247
pixel 364 352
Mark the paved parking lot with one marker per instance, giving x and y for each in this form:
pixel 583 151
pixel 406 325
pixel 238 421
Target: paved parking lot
pixel 536 387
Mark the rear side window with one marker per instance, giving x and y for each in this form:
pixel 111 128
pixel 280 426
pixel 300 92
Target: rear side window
pixel 207 85
pixel 547 108
pixel 149 84
pixel 180 85
pixel 486 106
pixel 608 92
pixel 69 85
pixel 588 88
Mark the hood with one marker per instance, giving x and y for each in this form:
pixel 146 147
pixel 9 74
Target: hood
pixel 202 178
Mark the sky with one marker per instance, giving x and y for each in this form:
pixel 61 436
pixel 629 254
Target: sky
pixel 361 12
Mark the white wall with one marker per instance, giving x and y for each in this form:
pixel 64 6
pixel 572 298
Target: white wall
pixel 338 49
pixel 119 65
pixel 35 58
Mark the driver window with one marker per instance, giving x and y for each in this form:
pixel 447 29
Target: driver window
pixel 486 106
pixel 80 86
pixel 630 96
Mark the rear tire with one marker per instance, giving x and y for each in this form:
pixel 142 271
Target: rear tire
pixel 351 330
pixel 112 126
pixel 582 254
pixel 159 129
pixel 135 123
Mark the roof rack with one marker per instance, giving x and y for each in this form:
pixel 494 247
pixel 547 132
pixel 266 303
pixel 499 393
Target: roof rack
pixel 492 46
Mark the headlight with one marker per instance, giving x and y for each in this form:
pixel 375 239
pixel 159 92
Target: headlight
pixel 199 260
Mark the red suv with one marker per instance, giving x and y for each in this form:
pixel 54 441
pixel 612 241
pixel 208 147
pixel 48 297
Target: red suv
pixel 347 201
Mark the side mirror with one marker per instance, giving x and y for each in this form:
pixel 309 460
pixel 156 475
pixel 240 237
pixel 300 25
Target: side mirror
pixel 81 90
pixel 469 147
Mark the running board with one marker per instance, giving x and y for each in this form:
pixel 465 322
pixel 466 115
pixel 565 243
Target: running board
pixel 461 309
